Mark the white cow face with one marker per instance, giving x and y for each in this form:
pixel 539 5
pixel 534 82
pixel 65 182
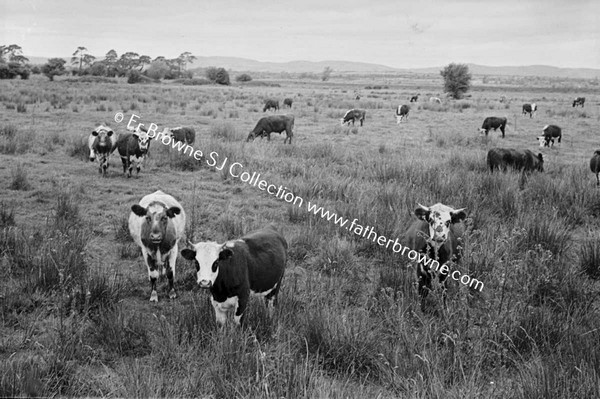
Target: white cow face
pixel 543 141
pixel 143 140
pixel 102 133
pixel 155 227
pixel 206 256
pixel 440 217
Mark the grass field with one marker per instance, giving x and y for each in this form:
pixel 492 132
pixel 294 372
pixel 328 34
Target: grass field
pixel 76 320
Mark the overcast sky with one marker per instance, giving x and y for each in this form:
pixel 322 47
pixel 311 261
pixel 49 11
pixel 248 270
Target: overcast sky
pixel 397 33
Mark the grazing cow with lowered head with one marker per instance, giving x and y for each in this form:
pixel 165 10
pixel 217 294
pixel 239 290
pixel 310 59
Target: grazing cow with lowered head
pixel 102 142
pixel 435 100
pixel 529 109
pixel 402 113
pixel 353 115
pixel 274 123
pixel 414 99
pixel 579 101
pixel 183 134
pixel 271 104
pixel 595 165
pixel 492 122
pixel 157 224
pixel 133 149
pixel 550 133
pixel 231 271
pixel 525 160
pixel 436 236
pixel 287 102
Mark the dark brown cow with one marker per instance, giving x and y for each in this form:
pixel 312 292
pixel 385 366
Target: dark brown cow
pixel 273 123
pixel 354 115
pixel 579 101
pixel 493 122
pixel 550 133
pixel 287 102
pixel 525 160
pixel 595 165
pixel 414 99
pixel 271 104
pixel 402 113
pixel 133 149
pixel 183 134
pixel 529 109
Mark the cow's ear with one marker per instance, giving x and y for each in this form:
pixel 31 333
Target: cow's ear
pixel 540 157
pixel 225 253
pixel 422 212
pixel 458 215
pixel 138 210
pixel 188 254
pixel 172 211
pixel 94 133
pixel 110 133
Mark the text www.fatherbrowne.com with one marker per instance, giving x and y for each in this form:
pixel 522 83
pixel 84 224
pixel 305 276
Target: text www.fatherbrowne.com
pixel 236 170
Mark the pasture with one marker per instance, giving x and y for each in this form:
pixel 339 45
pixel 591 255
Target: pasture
pixel 76 320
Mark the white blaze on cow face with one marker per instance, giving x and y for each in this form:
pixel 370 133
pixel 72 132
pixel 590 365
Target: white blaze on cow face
pixel 143 140
pixel 207 256
pixel 156 222
pixel 100 136
pixel 439 217
pixel 543 141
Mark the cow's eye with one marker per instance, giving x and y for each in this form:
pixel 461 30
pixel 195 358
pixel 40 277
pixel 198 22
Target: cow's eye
pixel 164 218
pixel 447 223
pixel 215 266
pixel 197 265
pixel 148 218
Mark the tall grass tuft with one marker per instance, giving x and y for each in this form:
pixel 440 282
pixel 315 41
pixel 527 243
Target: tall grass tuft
pixel 589 259
pixel 19 178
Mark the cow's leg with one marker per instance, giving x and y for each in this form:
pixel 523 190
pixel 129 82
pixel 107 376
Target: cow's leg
pixel 220 314
pixel 124 161
pixel 361 122
pixel 597 179
pixel 171 270
pixel 152 273
pixel 502 130
pixel 423 280
pixel 240 308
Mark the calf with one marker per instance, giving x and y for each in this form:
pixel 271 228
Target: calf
pixel 231 271
pixel 273 123
pixel 133 149
pixel 550 133
pixel 579 101
pixel 435 100
pixel 353 115
pixel 402 113
pixel 271 104
pixel 287 102
pixel 414 99
pixel 102 142
pixel 492 122
pixel 157 224
pixel 183 134
pixel 529 109
pixel 436 236
pixel 525 160
pixel 595 165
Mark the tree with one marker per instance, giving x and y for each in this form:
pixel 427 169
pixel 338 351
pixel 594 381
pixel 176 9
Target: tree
pixel 128 61
pixel 158 69
pixel 326 74
pixel 144 60
pixel 457 79
pixel 185 58
pixel 14 53
pixel 54 67
pixel 218 75
pixel 78 57
pixel 110 60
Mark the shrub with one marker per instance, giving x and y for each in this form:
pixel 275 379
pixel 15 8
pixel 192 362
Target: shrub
pixel 54 67
pixel 134 76
pixel 243 78
pixel 19 179
pixel 457 79
pixel 218 75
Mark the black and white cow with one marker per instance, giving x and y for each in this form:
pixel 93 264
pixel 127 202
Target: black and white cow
pixel 550 133
pixel 273 124
pixel 493 122
pixel 504 158
pixel 101 143
pixel 529 109
pixel 271 104
pixel 579 101
pixel 414 99
pixel 436 235
pixel 156 225
pixel 183 134
pixel 231 271
pixel 595 165
pixel 435 100
pixel 353 115
pixel 133 149
pixel 287 102
pixel 402 113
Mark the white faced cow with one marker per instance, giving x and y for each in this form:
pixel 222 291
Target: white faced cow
pixel 102 142
pixel 157 224
pixel 133 149
pixel 595 165
pixel 435 235
pixel 232 270
pixel 402 113
pixel 529 109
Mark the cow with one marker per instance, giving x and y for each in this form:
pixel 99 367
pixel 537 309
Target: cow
pixel 231 271
pixel 550 133
pixel 525 160
pixel 271 104
pixel 102 142
pixel 156 225
pixel 579 101
pixel 402 113
pixel 353 115
pixel 492 122
pixel 595 165
pixel 435 100
pixel 414 99
pixel 436 235
pixel 287 102
pixel 133 148
pixel 183 134
pixel 529 109
pixel 273 123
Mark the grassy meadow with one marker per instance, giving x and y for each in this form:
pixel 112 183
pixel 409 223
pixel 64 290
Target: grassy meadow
pixel 74 291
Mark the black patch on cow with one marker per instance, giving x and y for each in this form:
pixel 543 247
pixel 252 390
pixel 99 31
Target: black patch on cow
pixel 139 210
pixel 172 211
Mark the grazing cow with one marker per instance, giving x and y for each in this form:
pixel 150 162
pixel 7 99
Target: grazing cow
pixel 354 115
pixel 436 236
pixel 550 133
pixel 579 101
pixel 525 160
pixel 184 134
pixel 157 224
pixel 529 109
pixel 133 148
pixel 271 104
pixel 287 102
pixel 102 142
pixel 274 123
pixel 492 122
pixel 402 113
pixel 435 100
pixel 414 99
pixel 595 165
pixel 231 271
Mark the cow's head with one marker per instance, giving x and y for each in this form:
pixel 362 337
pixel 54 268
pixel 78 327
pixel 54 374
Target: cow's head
pixel 540 163
pixel 143 140
pixel 533 107
pixel 102 135
pixel 251 136
pixel 544 141
pixel 206 256
pixel 156 223
pixel 439 217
